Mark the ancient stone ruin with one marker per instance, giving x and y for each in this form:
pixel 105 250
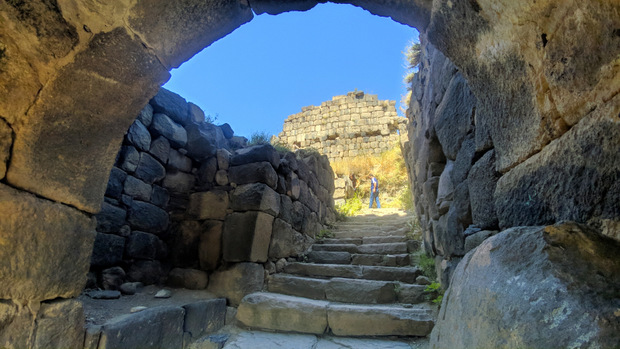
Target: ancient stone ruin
pixel 347 126
pixel 514 140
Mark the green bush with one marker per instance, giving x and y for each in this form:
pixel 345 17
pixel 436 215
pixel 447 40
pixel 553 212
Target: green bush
pixel 427 265
pixel 351 207
pixel 258 138
pixel 435 290
pixel 406 199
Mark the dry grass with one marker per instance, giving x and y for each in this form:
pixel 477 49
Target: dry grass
pixel 389 168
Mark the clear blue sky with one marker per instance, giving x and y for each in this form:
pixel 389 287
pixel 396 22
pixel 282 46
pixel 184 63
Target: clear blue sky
pixel 271 67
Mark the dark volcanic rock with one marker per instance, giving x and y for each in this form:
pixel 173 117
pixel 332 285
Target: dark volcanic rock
pixel 147 217
pixel 107 250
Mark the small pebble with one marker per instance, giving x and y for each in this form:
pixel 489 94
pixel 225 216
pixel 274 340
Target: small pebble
pixel 137 309
pixel 163 294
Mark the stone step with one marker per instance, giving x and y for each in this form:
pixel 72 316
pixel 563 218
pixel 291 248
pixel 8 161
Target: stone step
pixel 329 257
pixel 332 241
pixel 387 248
pixel 383 239
pixel 402 274
pixel 389 260
pixel 279 312
pixel 357 233
pixel 357 291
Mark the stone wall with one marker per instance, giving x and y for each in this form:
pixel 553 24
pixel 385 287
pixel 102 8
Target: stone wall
pixel 473 209
pixel 347 126
pixel 186 197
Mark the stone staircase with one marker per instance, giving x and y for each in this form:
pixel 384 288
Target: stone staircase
pixel 358 283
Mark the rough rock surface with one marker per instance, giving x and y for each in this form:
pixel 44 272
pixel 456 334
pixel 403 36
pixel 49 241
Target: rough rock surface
pixel 237 282
pixel 553 286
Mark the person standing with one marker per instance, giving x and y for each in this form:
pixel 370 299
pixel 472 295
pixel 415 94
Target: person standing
pixel 374 191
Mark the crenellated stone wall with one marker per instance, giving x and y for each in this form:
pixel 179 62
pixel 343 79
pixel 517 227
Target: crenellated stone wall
pixel 347 126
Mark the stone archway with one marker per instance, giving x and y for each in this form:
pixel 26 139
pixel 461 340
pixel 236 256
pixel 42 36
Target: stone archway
pixel 73 75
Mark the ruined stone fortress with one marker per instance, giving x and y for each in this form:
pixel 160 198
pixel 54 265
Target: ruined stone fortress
pixel 347 126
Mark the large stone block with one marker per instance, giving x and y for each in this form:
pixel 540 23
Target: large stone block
pixel 255 197
pixel 257 153
pixel 149 169
pixel 110 219
pixel 454 116
pixel 147 217
pixel 137 189
pixel 286 241
pixel 111 66
pixel 46 247
pixel 223 159
pixel 163 126
pixel 464 160
pixel 247 236
pixel 142 245
pixel 179 182
pixel 237 281
pixel 128 158
pixel 208 205
pixel 210 245
pixel 283 313
pixel 204 317
pixel 560 283
pixel 575 177
pixel 160 149
pixel 360 291
pixel 146 272
pixel 204 140
pixel 60 324
pixel 139 136
pixel 261 172
pixel 184 244
pixel 17 325
pixel 115 183
pixel 159 327
pixel 146 115
pixel 190 279
pixel 179 161
pixel 171 104
pixel 108 250
pixel 482 181
pixel 6 141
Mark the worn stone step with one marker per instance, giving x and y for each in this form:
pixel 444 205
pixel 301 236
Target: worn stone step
pixel 378 320
pixel 329 257
pixel 333 241
pixel 383 239
pixel 389 260
pixel 297 286
pixel 388 248
pixel 351 248
pixel 358 291
pixel 356 233
pixel 279 312
pixel 403 274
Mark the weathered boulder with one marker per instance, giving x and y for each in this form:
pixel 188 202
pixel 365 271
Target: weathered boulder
pixel 137 189
pixel 139 136
pixel 53 238
pixel 262 172
pixel 576 177
pixel 482 181
pixel 247 236
pixel 204 317
pixel 223 159
pixel 108 250
pixel 204 140
pixel 171 104
pixel 191 279
pixel 115 183
pixel 163 126
pixel 257 153
pixel 142 245
pixel 59 324
pixel 159 196
pixel 287 242
pixel 210 245
pixel 178 182
pixel 454 116
pixel 147 217
pixel 149 169
pixel 197 115
pixel 6 140
pixel 553 286
pixel 159 327
pixel 146 272
pixel 160 149
pixel 112 278
pixel 128 158
pixel 255 197
pixel 237 281
pixel 208 205
pixel 110 219
pixel 184 244
pixel 146 115
pixel 179 161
